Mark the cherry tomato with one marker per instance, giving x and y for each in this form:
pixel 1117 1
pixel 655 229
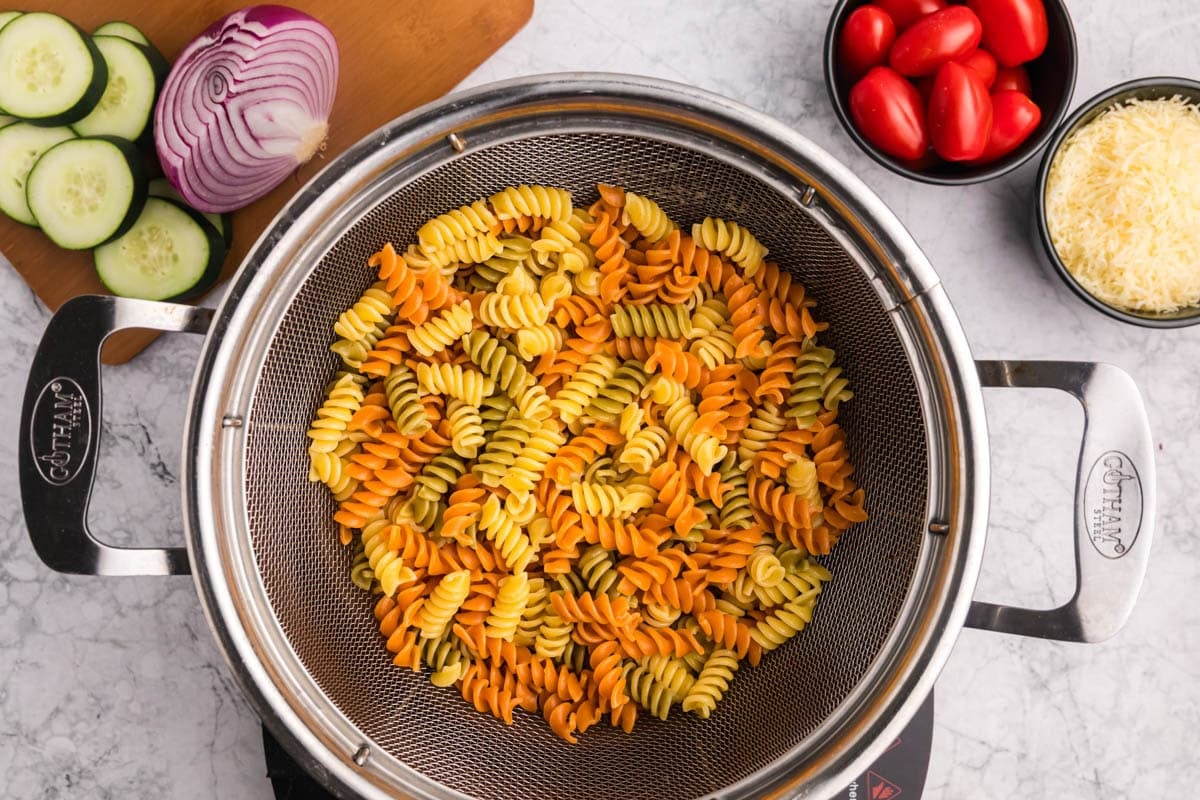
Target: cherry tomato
pixel 906 12
pixel 887 110
pixel 1012 78
pixel 960 113
pixel 1014 118
pixel 866 38
pixel 984 63
pixel 1015 31
pixel 945 35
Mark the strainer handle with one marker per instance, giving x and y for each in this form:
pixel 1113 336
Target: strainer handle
pixel 60 434
pixel 1114 502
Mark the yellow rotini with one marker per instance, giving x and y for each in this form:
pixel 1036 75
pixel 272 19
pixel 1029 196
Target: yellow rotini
pixel 452 380
pixel 587 459
pixel 329 428
pixel 456 226
pixel 645 215
pixel 511 599
pixel 361 318
pixel 731 239
pixel 443 602
pixel 547 202
pixel 437 334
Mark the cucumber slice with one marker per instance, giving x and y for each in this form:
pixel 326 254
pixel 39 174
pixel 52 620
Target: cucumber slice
pixel 161 187
pixel 85 192
pixel 6 120
pixel 170 253
pixel 127 104
pixel 51 73
pixel 122 29
pixel 8 16
pixel 21 145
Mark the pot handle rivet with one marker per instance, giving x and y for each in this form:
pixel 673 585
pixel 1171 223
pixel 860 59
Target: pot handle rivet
pixel 362 754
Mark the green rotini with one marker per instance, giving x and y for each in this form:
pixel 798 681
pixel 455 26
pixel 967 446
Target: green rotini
pixel 655 319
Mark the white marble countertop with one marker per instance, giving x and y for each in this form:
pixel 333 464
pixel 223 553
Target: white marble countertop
pixel 114 688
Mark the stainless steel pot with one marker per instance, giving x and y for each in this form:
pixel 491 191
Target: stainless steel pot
pixel 272 578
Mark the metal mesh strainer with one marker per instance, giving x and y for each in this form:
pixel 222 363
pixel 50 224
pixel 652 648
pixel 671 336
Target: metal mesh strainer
pixel 769 709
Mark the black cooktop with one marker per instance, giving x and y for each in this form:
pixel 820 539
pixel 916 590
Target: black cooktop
pixel 898 774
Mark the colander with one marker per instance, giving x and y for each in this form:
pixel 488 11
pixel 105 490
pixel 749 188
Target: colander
pixel 273 579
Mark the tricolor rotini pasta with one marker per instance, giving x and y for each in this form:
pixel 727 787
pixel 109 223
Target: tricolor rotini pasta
pixel 587 462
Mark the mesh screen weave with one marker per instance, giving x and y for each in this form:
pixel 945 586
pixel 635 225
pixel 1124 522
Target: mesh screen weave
pixel 769 709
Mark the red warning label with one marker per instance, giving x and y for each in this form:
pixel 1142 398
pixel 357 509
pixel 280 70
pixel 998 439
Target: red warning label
pixel 893 745
pixel 880 788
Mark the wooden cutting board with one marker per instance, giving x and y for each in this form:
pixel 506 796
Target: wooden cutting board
pixel 395 56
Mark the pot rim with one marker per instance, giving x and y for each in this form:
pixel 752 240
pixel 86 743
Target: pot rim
pixel 293 706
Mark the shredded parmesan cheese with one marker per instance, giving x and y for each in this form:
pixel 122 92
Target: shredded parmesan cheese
pixel 1123 205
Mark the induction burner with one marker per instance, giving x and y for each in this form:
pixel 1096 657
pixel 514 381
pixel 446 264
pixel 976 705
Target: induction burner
pixel 898 774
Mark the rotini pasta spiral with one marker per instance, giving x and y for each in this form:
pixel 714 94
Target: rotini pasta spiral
pixel 609 501
pixel 503 449
pixel 515 251
pixel 786 621
pixel 512 544
pixel 384 559
pixel 553 636
pixel 644 449
pixel 802 480
pixel 630 420
pixel 672 361
pixel 345 397
pixel 547 202
pixel 362 317
pixel 712 683
pixel 562 246
pixel 504 366
pixel 513 312
pixel 649 692
pixel 437 334
pixel 443 601
pixel 452 380
pixel 817 386
pixel 732 240
pixel 456 226
pixel 438 476
pixel 466 428
pixel 510 603
pixel 404 400
pixel 527 468
pixel 583 387
pixel 645 215
pixel 598 571
pixel 706 450
pixel 671 322
pixel 535 340
pixel 473 250
pixel 617 393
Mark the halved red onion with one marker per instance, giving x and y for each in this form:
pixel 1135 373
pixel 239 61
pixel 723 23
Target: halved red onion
pixel 246 103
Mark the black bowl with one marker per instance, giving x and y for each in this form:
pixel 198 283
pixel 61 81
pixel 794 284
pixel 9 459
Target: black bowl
pixel 1143 89
pixel 1052 76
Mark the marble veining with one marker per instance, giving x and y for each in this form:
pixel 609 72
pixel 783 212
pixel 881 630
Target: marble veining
pixel 114 688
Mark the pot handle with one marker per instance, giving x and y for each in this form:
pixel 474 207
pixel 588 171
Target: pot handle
pixel 1114 502
pixel 60 434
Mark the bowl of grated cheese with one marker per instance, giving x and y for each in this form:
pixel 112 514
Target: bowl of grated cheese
pixel 1118 202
